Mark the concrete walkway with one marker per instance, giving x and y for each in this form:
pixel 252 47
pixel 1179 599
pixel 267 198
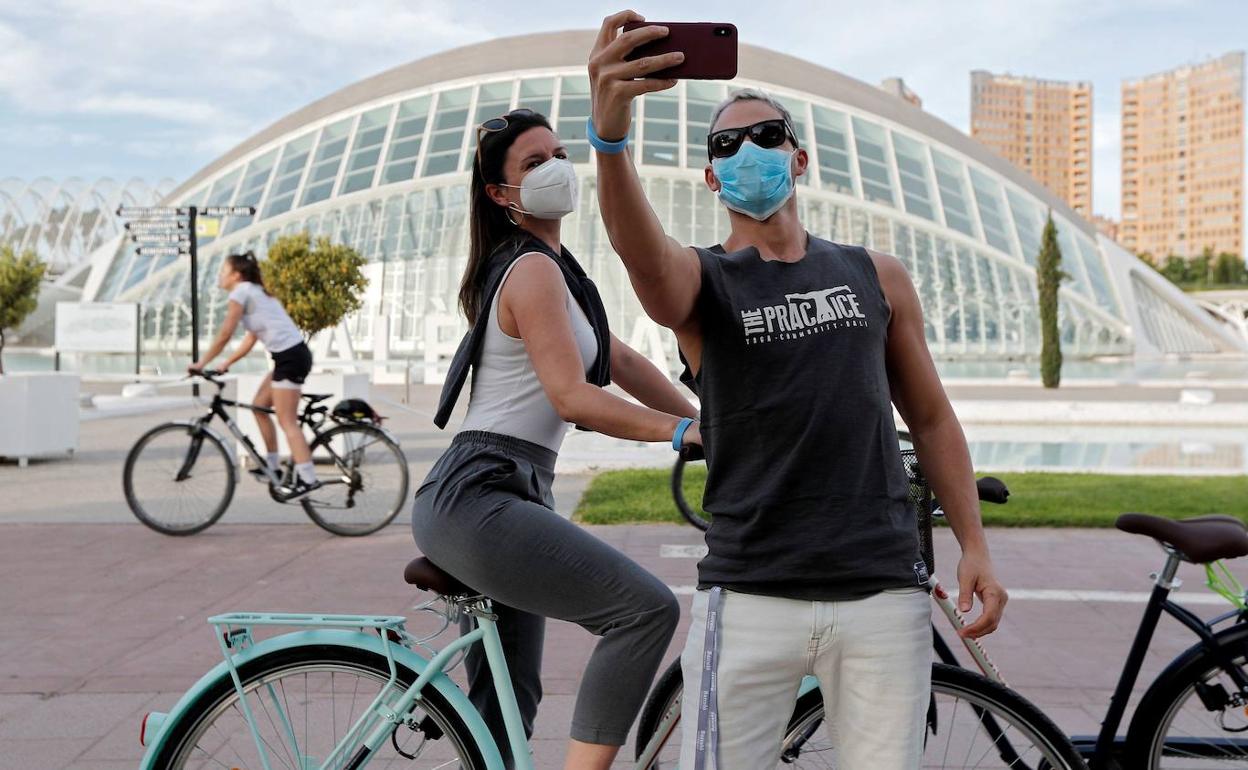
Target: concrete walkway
pixel 103 619
pixel 104 622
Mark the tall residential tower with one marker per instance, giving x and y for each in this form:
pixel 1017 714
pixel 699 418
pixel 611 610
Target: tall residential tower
pixel 1042 126
pixel 1183 160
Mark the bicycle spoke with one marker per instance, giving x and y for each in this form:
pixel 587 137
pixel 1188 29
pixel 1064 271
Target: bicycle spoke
pixel 224 738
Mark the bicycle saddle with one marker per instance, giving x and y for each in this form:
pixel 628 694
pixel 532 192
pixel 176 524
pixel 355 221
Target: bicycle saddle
pixel 427 576
pixel 312 398
pixel 1200 539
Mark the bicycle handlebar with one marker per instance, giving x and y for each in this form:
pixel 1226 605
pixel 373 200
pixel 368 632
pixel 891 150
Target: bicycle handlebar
pixel 208 374
pixel 992 490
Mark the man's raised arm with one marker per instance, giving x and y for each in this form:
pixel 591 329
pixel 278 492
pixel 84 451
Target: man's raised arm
pixel 665 275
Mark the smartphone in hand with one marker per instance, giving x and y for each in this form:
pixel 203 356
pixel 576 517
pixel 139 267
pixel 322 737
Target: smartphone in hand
pixel 710 49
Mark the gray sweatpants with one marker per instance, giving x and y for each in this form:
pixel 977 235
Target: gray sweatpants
pixel 485 515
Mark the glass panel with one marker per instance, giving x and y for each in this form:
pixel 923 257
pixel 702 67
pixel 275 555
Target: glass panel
pixel 222 194
pixel 409 129
pixel 289 170
pixel 701 99
pixel 537 94
pixel 990 301
pixel 661 130
pixel 251 189
pixel 493 99
pixel 1072 260
pixel 574 110
pixel 1029 221
pixel 832 149
pixel 953 194
pixel 915 181
pixel 869 140
pixel 447 137
pixel 326 162
pixel 991 210
pixel 1097 275
pixel 797 111
pixel 366 151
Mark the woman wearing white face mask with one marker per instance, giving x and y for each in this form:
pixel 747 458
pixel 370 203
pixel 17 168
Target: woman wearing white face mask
pixel 541 353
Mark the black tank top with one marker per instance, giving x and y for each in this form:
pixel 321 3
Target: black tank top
pixel 805 482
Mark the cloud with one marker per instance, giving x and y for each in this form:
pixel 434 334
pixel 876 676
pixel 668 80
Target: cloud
pixel 173 109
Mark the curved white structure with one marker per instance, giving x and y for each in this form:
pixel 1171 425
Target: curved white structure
pixel 384 166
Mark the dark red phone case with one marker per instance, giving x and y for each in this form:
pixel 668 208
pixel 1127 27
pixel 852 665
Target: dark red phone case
pixel 710 49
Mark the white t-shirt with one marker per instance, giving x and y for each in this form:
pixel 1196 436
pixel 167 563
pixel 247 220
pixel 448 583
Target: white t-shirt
pixel 265 317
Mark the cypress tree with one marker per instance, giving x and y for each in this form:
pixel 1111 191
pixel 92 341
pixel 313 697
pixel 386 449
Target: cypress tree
pixel 1049 276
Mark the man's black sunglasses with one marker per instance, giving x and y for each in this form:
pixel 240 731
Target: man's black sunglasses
pixel 767 134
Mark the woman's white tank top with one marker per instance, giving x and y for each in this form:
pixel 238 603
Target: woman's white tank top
pixel 507 397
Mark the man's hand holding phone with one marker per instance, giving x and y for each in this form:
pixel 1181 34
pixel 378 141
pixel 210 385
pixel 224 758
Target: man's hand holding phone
pixel 614 81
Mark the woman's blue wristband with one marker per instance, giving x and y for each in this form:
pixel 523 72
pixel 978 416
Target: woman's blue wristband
pixel 600 144
pixel 678 438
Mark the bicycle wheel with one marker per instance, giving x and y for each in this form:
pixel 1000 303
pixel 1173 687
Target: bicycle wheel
pixel 365 477
pixel 689 488
pixel 178 479
pixel 973 722
pixel 303 701
pixel 1193 716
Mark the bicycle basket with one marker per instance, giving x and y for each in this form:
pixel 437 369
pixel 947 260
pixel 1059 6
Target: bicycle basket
pixel 921 499
pixel 355 410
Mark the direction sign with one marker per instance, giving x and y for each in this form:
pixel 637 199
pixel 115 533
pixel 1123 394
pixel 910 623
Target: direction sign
pixel 142 212
pixel 149 226
pixel 161 238
pixel 160 251
pixel 228 211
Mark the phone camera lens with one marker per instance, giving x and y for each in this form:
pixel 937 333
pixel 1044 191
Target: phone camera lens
pixel 721 31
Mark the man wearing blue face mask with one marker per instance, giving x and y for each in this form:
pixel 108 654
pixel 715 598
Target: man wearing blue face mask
pixel 798 349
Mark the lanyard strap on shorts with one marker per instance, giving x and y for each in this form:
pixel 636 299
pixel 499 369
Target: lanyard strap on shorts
pixel 708 705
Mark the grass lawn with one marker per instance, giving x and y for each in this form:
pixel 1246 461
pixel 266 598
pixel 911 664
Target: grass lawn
pixel 1036 499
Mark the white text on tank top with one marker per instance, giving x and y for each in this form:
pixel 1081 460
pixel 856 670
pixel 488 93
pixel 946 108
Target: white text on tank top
pixel 507 397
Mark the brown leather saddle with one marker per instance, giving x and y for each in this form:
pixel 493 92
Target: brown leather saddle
pixel 1200 539
pixel 427 576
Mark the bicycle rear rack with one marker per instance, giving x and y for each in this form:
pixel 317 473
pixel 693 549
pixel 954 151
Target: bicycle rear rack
pixel 234 635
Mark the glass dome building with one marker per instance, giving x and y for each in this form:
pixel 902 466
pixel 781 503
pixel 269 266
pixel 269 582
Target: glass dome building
pixel 384 165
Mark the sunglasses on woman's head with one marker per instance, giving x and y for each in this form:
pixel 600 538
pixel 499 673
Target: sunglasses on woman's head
pixel 494 125
pixel 766 134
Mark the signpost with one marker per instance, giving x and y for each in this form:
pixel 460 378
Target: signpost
pixel 169 231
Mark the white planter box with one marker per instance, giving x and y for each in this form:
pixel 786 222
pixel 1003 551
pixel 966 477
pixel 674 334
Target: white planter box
pixel 38 414
pixel 339 385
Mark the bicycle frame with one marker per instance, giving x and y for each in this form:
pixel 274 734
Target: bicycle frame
pixel 218 409
pixel 1100 749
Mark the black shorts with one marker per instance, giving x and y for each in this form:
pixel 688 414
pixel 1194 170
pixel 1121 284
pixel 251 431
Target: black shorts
pixel 291 366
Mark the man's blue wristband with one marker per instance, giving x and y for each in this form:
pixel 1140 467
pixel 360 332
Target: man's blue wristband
pixel 678 438
pixel 600 144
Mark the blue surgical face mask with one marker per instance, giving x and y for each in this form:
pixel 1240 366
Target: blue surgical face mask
pixel 755 181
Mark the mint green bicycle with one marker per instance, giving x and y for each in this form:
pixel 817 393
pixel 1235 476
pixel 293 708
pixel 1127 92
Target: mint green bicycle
pixel 350 691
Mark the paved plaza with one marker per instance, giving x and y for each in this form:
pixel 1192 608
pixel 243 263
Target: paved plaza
pixel 103 619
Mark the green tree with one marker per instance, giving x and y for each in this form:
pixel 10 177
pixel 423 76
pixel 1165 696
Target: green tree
pixel 1229 270
pixel 319 283
pixel 1200 270
pixel 20 275
pixel 1049 277
pixel 1176 270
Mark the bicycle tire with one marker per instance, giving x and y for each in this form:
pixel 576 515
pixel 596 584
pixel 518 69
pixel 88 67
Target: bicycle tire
pixel 153 521
pixel 214 699
pixel 699 520
pixel 1149 732
pixel 945 679
pixel 398 495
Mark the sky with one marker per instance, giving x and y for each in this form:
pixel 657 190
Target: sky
pixel 157 89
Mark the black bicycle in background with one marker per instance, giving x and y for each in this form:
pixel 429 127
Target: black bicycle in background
pixel 1193 715
pixel 180 476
